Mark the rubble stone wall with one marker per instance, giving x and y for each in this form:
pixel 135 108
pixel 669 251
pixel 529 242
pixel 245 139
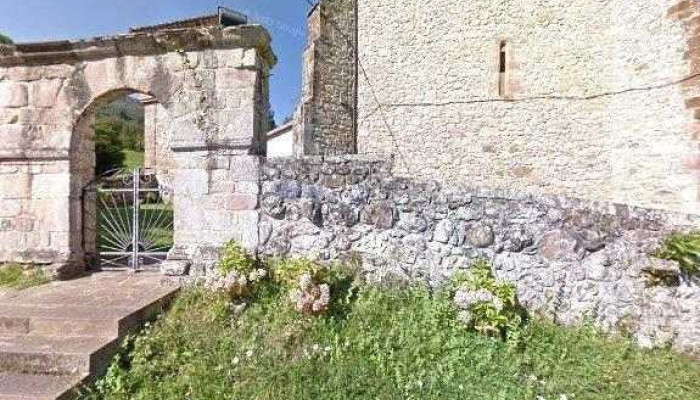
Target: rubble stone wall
pixel 571 260
pixel 598 96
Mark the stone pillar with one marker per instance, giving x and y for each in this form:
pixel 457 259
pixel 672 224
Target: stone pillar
pixel 326 117
pixel 150 136
pixel 216 199
pixel 217 161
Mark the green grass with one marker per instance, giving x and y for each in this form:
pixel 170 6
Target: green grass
pixel 386 344
pixel 15 277
pixel 133 159
pixel 156 225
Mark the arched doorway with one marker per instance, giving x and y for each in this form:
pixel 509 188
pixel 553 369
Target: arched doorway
pixel 212 84
pixel 122 164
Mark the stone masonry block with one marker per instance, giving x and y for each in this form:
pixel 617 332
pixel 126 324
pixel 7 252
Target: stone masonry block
pixel 191 182
pixel 232 58
pixel 13 137
pixel 245 168
pixel 15 186
pixel 10 208
pixel 229 78
pixel 45 92
pixel 13 95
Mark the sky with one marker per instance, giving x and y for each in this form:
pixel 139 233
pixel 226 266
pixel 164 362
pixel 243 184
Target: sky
pixel 40 20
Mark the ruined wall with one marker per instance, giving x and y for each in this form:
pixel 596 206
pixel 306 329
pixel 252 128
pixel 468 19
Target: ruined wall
pixel 569 259
pixel 327 110
pixel 594 101
pixel 211 89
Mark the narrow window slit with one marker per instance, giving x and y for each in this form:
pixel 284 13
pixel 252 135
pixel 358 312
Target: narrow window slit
pixel 502 66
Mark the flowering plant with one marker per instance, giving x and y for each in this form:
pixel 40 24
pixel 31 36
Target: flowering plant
pixel 311 297
pixel 309 283
pixel 487 305
pixel 236 272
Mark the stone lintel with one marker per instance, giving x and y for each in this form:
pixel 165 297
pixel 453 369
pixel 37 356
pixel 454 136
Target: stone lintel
pixel 33 155
pixel 185 147
pixel 139 44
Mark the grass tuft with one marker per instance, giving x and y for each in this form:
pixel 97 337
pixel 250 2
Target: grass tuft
pixel 13 276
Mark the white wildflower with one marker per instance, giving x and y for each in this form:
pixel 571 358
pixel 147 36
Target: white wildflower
pixel 467 299
pixel 249 353
pixel 236 360
pixel 305 282
pixel 464 316
pixel 497 304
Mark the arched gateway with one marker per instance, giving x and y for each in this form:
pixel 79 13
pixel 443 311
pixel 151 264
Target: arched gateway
pixel 209 99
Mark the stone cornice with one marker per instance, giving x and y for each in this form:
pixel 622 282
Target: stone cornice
pixel 139 44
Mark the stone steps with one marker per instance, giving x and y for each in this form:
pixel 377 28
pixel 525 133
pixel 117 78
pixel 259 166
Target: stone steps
pixel 16 386
pixel 71 320
pixel 55 355
pixel 55 337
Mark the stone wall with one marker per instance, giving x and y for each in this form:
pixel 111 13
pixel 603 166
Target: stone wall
pixel 597 101
pixel 211 89
pixel 327 112
pixel 571 260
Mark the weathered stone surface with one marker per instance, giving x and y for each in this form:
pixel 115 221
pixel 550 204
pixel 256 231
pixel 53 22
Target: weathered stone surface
pixel 569 259
pixel 175 267
pixel 45 92
pixel 204 131
pixel 443 231
pixel 558 245
pixel 379 214
pixel 446 113
pixel 480 236
pixel 13 95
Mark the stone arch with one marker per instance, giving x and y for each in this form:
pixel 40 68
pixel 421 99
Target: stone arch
pixel 212 82
pixel 82 156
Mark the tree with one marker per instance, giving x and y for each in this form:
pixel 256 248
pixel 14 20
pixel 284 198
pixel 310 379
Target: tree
pixel 5 40
pixel 108 146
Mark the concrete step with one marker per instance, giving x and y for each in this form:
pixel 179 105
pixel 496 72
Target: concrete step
pixel 14 386
pixel 56 355
pixel 56 336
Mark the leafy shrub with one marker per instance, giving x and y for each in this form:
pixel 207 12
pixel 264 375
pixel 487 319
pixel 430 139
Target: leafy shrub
pixel 236 272
pixel 683 248
pixel 310 284
pixel 5 40
pixel 234 258
pixel 487 305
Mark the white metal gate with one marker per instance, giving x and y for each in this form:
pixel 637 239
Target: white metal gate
pixel 132 220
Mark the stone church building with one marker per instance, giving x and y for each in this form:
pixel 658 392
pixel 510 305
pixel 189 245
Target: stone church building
pixel 591 99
